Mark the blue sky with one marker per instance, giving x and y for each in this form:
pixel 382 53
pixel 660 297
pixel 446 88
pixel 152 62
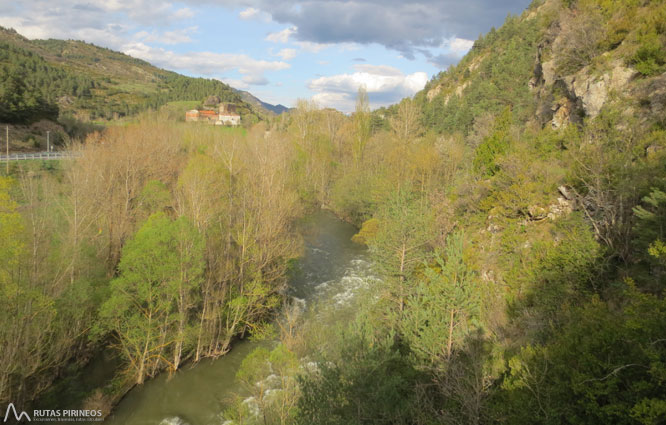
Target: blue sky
pixel 279 51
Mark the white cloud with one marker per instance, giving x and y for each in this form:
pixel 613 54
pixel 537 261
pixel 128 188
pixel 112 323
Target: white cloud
pixel 281 36
pixel 110 23
pixel 385 85
pixel 380 70
pixel 255 80
pixel 311 47
pixel 206 63
pixel 235 83
pixel 249 13
pixel 459 45
pixel 167 37
pixel 254 13
pixel 287 54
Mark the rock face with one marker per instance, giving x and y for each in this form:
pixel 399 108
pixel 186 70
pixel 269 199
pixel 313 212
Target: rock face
pixel 561 208
pixel 562 115
pixel 593 92
pixel 433 92
pixel 585 92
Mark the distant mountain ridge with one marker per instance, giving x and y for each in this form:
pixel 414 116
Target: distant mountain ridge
pixel 255 101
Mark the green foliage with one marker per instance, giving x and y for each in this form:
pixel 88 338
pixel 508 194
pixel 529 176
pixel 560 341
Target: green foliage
pixel 269 377
pixel 650 55
pixel 605 366
pixel 444 307
pixel 488 152
pixel 20 101
pixel 369 382
pixel 650 233
pixel 402 242
pixel 159 270
pixel 27 313
pixel 11 227
pixel 154 197
pixel 558 275
pixel 367 232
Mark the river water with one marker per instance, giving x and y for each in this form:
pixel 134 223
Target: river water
pixel 330 272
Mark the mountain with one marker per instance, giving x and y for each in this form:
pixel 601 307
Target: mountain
pixel 253 100
pixel 560 63
pixel 47 78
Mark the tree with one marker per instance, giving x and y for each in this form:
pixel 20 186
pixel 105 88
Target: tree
pixel 151 299
pixel 401 244
pixel 269 377
pixel 27 312
pixel 488 152
pixel 650 233
pixel 406 125
pixel 444 308
pixel 368 382
pixel 361 120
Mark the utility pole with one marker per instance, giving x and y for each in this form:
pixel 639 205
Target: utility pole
pixel 48 146
pixel 8 150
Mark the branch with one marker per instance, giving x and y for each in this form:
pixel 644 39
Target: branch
pixel 614 372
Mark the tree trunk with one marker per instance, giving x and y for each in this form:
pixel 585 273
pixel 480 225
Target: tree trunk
pixel 449 345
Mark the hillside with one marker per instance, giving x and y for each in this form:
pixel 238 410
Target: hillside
pixel 556 65
pixel 258 103
pixel 47 78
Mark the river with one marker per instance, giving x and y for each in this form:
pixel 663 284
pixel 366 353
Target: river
pixel 331 271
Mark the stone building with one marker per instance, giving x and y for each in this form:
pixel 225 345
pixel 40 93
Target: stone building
pixel 225 115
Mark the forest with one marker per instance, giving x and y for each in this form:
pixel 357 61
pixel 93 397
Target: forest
pixel 518 232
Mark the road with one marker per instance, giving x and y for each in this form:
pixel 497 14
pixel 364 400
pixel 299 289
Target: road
pixel 39 155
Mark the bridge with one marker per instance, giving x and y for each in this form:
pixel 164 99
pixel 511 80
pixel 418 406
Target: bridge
pixel 39 155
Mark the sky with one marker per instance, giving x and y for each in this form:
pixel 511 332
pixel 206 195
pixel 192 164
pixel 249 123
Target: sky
pixel 279 51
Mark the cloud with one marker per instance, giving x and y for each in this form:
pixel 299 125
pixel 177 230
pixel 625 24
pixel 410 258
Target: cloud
pixel 455 48
pixel 207 63
pixel 184 13
pixel 281 36
pixel 310 47
pixel 255 80
pixel 396 24
pixel 460 45
pixel 109 23
pixel 249 13
pixel 359 60
pixel 444 60
pixel 254 13
pixel 287 54
pixel 235 83
pixel 167 37
pixel 385 85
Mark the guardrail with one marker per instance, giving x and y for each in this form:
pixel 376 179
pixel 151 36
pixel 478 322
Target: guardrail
pixel 39 155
